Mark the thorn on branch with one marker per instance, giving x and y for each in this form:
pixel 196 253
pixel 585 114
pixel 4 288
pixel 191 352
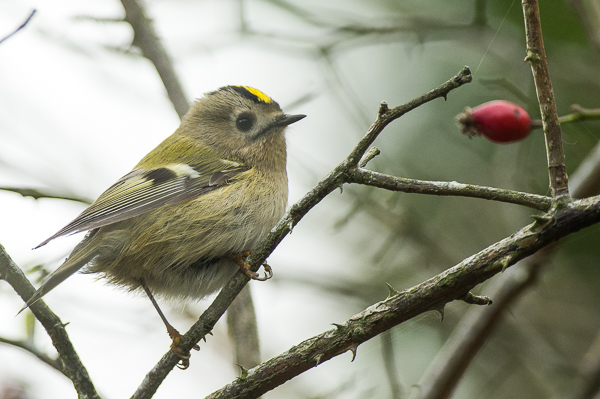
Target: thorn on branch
pixel 318 359
pixel 339 327
pixel 542 221
pixel 62 325
pixel 440 311
pixel 476 299
pixel 243 372
pixel 353 349
pixel 392 291
pixel 372 153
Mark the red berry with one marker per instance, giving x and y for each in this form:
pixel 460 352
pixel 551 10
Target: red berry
pixel 498 121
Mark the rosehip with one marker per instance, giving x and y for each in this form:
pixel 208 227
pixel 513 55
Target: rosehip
pixel 498 121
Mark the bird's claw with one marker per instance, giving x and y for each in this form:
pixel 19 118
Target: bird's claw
pixel 240 260
pixel 184 357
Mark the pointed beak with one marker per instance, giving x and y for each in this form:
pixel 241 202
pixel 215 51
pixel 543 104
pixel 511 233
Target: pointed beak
pixel 285 120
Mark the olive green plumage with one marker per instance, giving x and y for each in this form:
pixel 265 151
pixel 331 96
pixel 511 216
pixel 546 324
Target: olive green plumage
pixel 214 188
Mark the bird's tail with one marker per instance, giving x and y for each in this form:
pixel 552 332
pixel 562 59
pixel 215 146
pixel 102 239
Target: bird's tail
pixel 94 244
pixel 81 255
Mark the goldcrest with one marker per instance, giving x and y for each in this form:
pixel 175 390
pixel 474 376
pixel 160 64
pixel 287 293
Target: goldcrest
pixel 178 223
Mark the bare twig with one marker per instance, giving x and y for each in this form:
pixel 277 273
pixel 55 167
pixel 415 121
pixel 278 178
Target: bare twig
pixel 27 346
pixel 297 211
pixel 578 113
pixel 536 56
pixel 72 366
pixel 20 27
pixel 146 39
pixel 393 183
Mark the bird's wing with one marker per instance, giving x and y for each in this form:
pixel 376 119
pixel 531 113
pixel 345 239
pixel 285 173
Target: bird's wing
pixel 143 190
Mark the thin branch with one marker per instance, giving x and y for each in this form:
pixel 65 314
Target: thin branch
pixel 146 39
pixel 37 194
pixel 27 346
pixel 578 114
pixel 297 211
pixel 536 56
pixel 20 27
pixel 73 368
pixel 432 294
pixel 393 183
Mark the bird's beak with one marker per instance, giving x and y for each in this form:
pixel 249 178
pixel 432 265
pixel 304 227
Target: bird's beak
pixel 285 120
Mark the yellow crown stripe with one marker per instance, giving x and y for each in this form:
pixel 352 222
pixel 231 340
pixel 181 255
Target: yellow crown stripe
pixel 259 94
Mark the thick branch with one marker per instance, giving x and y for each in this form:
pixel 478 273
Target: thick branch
pixel 73 367
pixel 536 56
pixel 297 211
pixel 393 183
pixel 432 294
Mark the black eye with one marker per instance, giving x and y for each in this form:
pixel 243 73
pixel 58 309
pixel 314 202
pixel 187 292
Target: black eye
pixel 244 122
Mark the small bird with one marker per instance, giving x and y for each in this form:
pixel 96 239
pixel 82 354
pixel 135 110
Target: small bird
pixel 184 219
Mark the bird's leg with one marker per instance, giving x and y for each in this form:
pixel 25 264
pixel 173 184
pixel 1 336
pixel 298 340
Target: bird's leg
pixel 240 260
pixel 172 331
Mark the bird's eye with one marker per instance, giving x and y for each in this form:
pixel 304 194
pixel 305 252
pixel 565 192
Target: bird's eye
pixel 244 122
